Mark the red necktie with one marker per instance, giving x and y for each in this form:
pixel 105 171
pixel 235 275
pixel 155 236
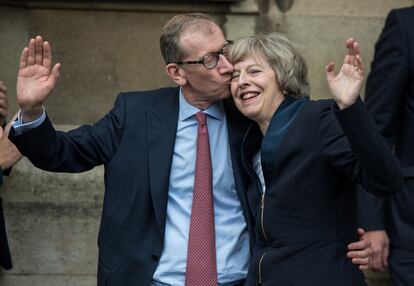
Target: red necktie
pixel 201 252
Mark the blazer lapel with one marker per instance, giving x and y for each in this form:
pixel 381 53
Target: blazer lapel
pixel 162 125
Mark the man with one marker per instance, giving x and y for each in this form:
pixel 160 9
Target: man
pixel 9 155
pixel 150 145
pixel 390 99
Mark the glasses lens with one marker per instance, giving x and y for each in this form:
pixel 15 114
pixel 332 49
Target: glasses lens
pixel 211 60
pixel 225 51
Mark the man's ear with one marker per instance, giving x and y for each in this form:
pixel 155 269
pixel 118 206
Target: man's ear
pixel 176 74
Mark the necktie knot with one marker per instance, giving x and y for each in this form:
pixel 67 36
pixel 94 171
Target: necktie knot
pixel 201 118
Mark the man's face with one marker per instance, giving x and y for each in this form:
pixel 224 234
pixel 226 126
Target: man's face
pixel 205 86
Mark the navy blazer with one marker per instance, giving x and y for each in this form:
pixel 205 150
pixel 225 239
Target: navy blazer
pixel 307 215
pixel 390 100
pixel 135 142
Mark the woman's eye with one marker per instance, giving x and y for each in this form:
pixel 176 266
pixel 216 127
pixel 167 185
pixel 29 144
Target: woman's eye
pixel 254 71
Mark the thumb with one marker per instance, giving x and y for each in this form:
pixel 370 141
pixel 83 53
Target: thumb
pixel 330 74
pixel 55 74
pixel 361 232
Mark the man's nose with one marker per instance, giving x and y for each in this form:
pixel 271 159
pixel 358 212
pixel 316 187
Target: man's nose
pixel 224 65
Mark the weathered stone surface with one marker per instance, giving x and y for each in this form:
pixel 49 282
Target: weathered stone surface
pixel 47 280
pixel 52 220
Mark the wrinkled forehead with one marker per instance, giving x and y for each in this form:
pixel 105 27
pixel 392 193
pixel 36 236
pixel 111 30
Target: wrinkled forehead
pixel 200 39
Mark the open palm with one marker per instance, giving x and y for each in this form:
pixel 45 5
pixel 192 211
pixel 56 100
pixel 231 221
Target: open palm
pixel 36 78
pixel 346 85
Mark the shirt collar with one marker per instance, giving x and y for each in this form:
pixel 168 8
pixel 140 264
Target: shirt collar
pixel 186 111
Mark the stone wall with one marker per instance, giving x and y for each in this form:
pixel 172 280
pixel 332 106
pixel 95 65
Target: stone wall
pixel 53 219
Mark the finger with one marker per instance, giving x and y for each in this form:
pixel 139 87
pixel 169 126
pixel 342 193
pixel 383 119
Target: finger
pixel 360 261
pixel 359 63
pixel 363 267
pixel 366 253
pixel 3 102
pixel 23 58
pixel 47 53
pixel 356 48
pixel 351 51
pixel 3 88
pixel 358 245
pixel 39 50
pixel 347 53
pixel 32 52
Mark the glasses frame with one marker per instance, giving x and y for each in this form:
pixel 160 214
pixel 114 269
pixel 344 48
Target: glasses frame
pixel 215 57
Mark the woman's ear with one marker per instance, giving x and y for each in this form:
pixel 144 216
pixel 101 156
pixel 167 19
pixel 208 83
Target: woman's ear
pixel 176 73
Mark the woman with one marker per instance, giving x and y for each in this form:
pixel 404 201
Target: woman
pixel 304 158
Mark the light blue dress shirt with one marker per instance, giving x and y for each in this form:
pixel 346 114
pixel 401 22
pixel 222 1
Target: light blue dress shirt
pixel 232 238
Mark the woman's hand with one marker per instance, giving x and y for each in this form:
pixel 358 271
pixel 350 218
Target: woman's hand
pixel 346 85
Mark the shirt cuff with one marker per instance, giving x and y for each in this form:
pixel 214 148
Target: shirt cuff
pixel 20 127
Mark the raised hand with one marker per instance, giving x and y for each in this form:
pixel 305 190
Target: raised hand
pixel 36 78
pixel 346 85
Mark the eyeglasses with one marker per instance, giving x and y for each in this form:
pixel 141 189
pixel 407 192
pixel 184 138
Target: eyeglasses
pixel 210 60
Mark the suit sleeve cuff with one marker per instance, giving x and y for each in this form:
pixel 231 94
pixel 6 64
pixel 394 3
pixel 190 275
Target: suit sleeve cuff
pixel 20 127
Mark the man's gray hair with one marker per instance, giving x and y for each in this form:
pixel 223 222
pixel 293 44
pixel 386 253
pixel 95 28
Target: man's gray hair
pixel 174 29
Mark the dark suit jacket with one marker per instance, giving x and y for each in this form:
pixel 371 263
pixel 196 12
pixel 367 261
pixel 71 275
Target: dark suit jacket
pixel 308 214
pixel 390 100
pixel 135 142
pixel 5 258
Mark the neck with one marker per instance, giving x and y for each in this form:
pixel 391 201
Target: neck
pixel 196 101
pixel 265 121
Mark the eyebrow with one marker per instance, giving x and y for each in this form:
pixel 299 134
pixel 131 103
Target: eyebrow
pixel 249 66
pixel 216 51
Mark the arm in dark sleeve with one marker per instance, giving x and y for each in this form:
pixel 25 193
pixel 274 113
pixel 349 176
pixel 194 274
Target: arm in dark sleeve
pixel 384 92
pixel 388 77
pixel 353 145
pixel 371 211
pixel 78 150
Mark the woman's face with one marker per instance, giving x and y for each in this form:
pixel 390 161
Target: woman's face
pixel 255 89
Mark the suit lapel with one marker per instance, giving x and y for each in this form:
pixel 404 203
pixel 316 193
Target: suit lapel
pixel 162 125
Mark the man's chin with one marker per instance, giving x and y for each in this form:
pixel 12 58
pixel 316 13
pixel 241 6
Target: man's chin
pixel 226 94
